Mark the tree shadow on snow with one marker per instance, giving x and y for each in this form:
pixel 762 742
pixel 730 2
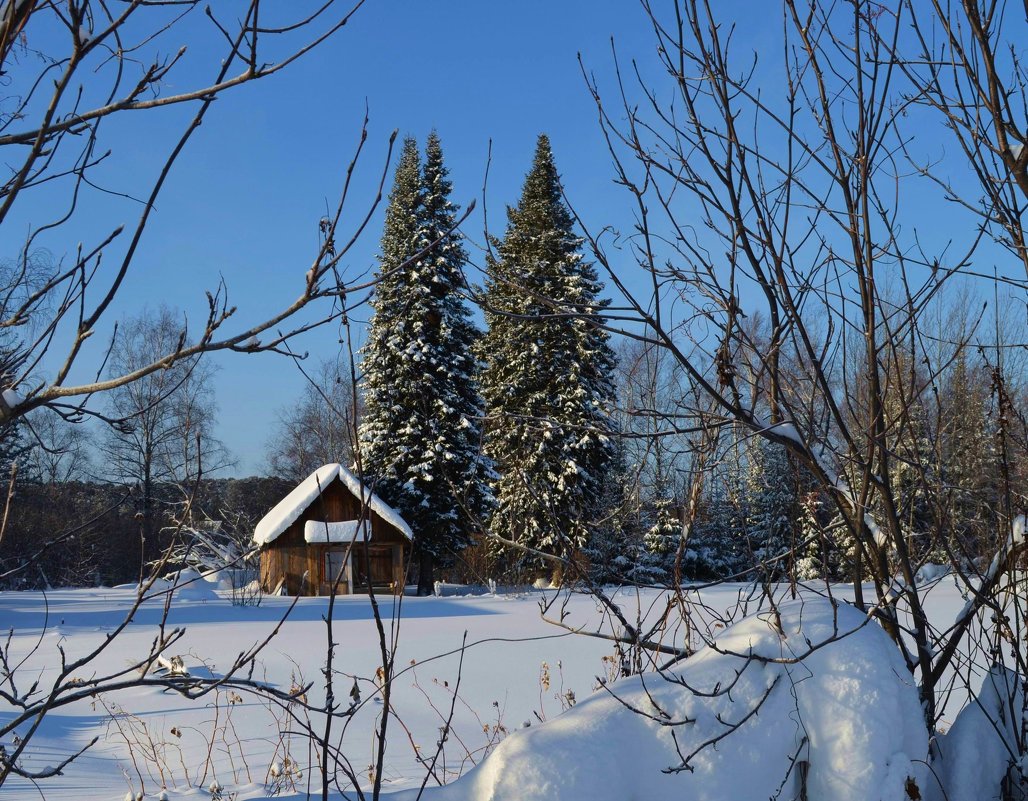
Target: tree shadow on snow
pixel 100 610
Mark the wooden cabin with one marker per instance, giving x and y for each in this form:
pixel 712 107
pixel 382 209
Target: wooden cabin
pixel 330 523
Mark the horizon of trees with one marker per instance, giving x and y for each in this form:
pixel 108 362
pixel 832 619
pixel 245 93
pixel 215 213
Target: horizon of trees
pixel 732 506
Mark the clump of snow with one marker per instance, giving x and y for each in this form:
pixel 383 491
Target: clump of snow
pixel 881 540
pixel 345 531
pixel 186 584
pixel 196 591
pixel 289 509
pixel 12 398
pixel 191 585
pixel 225 579
pixel 822 685
pixel 930 572
pixel 789 431
pixel 978 751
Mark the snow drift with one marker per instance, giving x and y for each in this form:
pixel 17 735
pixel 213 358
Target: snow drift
pixel 977 753
pixel 825 697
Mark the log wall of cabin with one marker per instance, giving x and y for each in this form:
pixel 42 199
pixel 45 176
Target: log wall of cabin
pixel 290 556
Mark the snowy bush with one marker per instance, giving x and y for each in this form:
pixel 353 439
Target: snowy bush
pixel 979 755
pixel 220 555
pixel 818 697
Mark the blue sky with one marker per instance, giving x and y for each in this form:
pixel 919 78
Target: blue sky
pixel 475 71
pixel 244 201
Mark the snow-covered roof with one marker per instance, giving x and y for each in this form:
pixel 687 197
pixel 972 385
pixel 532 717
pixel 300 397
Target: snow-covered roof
pixel 289 509
pixel 344 531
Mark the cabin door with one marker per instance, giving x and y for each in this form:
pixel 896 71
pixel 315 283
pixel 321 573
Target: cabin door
pixel 336 561
pixel 380 558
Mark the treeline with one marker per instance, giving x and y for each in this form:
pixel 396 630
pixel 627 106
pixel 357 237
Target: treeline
pixel 78 534
pixel 533 445
pixel 716 500
pixel 514 449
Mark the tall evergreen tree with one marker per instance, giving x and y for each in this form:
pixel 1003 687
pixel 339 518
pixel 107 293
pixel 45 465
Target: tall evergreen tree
pixel 773 503
pixel 663 536
pixel 969 470
pixel 548 375
pixel 421 430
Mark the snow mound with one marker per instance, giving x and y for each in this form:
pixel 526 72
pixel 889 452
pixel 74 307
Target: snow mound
pixel 186 584
pixel 932 572
pixel 196 591
pixel 191 585
pixel 975 755
pixel 736 721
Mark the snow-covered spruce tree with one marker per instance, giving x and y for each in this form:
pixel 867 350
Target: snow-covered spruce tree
pixel 773 506
pixel 657 549
pixel 663 536
pixel 548 376
pixel 421 431
pixel 614 550
pixel 814 560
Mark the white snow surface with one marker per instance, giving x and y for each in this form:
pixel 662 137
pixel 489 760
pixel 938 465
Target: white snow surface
pixel 849 709
pixel 975 754
pixel 321 532
pixel 852 699
pixel 289 509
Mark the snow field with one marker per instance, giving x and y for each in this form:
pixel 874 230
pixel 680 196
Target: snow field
pixel 733 724
pixel 848 710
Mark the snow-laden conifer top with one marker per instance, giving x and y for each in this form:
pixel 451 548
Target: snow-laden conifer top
pixel 289 509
